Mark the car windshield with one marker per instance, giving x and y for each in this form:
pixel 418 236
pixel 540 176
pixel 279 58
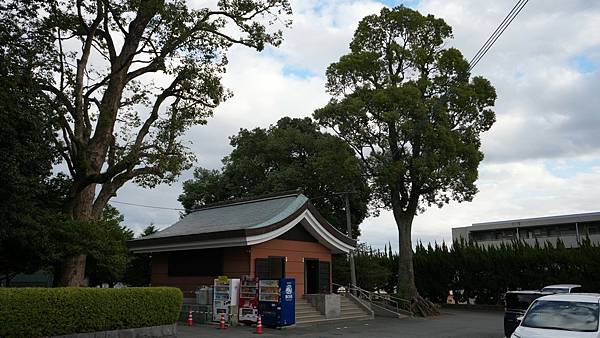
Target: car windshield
pixel 520 301
pixel 556 290
pixel 562 315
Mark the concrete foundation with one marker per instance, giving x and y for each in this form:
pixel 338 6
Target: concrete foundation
pixel 328 305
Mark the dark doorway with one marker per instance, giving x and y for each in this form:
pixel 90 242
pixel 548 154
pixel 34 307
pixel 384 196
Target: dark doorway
pixel 311 273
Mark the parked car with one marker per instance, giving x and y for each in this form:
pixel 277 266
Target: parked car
pixel 562 288
pixel 515 305
pixel 561 316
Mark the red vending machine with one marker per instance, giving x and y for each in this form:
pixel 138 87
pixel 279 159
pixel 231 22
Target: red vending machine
pixel 248 304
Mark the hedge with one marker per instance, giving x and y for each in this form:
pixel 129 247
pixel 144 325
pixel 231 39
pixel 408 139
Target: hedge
pixel 36 312
pixel 477 272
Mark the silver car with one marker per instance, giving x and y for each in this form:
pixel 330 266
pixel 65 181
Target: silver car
pixel 561 316
pixel 562 288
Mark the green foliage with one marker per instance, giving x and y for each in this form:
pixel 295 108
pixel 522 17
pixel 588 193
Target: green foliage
pixel 37 312
pixel 139 269
pixel 476 272
pixel 109 258
pixel 408 107
pixel 29 197
pixel 486 273
pixel 292 154
pixel 372 268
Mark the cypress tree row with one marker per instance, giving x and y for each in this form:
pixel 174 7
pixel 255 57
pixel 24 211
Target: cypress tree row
pixel 481 274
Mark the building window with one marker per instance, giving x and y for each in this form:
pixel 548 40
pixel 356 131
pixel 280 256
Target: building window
pixel 593 229
pixel 567 230
pixel 270 268
pixel 196 263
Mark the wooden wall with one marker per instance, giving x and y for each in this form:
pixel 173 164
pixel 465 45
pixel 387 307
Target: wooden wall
pixel 236 263
pixel 296 252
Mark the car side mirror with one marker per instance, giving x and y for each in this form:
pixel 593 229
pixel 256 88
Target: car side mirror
pixel 520 319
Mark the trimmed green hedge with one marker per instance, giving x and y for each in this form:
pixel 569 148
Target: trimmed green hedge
pixel 36 312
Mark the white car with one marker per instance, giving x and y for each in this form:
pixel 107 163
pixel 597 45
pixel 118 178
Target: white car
pixel 562 288
pixel 567 315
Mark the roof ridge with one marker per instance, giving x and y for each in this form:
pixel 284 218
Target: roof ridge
pixel 247 200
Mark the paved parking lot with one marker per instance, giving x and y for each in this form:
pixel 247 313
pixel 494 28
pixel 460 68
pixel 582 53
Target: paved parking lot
pixel 452 324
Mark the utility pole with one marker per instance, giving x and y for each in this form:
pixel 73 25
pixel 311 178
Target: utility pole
pixel 349 224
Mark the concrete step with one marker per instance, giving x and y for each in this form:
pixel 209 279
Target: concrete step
pixel 305 315
pixel 331 320
pixel 306 312
pixel 302 307
pixel 353 313
pixel 299 309
pixel 306 319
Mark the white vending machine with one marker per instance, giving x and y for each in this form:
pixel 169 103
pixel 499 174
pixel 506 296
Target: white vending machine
pixel 225 295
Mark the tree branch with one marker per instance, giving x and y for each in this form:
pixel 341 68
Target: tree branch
pixel 60 96
pixel 81 68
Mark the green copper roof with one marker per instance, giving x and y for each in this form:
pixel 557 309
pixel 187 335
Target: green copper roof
pixel 251 214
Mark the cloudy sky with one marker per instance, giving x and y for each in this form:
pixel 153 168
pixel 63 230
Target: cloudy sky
pixel 542 155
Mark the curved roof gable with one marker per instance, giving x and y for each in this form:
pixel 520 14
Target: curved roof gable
pixel 244 223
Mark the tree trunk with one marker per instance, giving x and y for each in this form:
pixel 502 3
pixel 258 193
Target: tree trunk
pixel 406 277
pixel 72 272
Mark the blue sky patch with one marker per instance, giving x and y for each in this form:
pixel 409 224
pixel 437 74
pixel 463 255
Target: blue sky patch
pixel 299 72
pixel 570 168
pixel 583 64
pixel 407 3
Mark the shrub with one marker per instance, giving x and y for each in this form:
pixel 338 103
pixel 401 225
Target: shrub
pixel 36 312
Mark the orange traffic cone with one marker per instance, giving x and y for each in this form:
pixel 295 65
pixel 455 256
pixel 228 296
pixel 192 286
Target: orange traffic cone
pixel 190 321
pixel 259 329
pixel 222 322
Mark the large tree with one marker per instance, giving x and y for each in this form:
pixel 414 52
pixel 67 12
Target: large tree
pixel 289 155
pixel 28 195
pixel 407 105
pixel 127 79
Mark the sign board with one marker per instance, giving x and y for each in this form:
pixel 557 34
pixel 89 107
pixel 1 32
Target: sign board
pixel 223 279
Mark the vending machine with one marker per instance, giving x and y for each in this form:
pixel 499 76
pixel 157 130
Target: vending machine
pixel 248 304
pixel 225 295
pixel 277 301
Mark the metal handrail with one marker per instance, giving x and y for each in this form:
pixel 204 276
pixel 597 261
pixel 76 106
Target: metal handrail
pixel 399 304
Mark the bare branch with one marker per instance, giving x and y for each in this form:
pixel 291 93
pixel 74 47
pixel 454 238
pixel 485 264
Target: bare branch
pixel 61 97
pixel 155 109
pixel 81 68
pixel 116 18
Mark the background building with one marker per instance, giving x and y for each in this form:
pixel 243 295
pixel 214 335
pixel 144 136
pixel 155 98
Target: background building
pixel 571 229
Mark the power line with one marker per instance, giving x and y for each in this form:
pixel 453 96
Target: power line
pixel 498 32
pixel 495 32
pixel 146 206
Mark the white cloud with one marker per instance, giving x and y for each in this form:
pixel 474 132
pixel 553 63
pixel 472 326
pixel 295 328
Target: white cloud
pixel 542 155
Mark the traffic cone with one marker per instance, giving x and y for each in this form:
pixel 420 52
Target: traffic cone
pixel 190 321
pixel 259 329
pixel 222 322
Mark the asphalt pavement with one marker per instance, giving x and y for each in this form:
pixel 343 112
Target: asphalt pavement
pixel 451 324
